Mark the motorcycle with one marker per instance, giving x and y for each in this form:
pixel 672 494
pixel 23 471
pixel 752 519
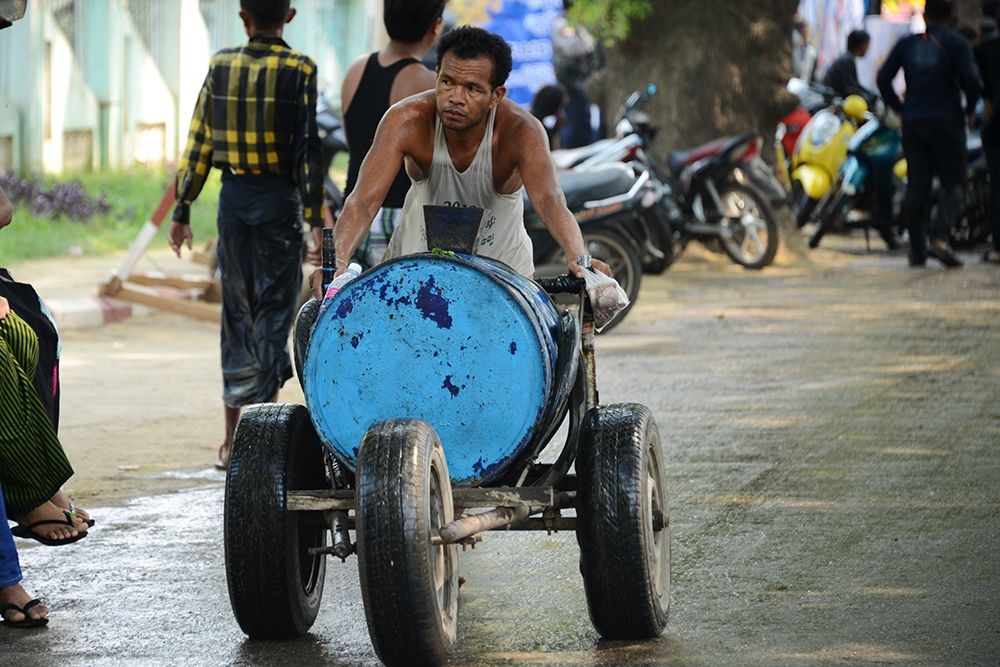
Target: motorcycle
pixel 820 151
pixel 813 97
pixel 862 192
pixel 719 193
pixel 973 227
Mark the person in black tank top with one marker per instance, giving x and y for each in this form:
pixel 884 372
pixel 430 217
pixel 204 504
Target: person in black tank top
pixel 371 86
pixel 369 104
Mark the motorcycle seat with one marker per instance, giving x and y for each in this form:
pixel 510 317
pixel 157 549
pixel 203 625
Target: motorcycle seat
pixel 567 158
pixel 678 160
pixel 598 183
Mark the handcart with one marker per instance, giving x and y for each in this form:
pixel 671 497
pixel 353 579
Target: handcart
pixel 432 382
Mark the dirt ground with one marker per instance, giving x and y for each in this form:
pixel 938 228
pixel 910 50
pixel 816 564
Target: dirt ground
pixel 142 396
pixel 830 435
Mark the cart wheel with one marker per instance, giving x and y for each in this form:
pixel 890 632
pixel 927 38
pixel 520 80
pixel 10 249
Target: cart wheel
pixel 623 525
pixel 275 586
pixel 409 587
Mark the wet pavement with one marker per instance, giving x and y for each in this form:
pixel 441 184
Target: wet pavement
pixel 830 437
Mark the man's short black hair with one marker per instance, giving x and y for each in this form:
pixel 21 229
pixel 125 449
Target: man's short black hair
pixel 267 13
pixel 991 8
pixel 856 39
pixel 409 20
pixel 938 11
pixel 467 42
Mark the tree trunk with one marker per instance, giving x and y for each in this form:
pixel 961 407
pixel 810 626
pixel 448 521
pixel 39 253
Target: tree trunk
pixel 720 68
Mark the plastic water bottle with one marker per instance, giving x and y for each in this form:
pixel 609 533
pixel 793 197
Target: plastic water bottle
pixel 352 272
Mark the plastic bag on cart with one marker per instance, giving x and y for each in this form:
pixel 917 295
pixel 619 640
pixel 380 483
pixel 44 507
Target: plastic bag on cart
pixel 607 298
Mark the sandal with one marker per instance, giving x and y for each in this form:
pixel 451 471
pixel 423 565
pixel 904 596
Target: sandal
pixel 72 513
pixel 28 532
pixel 27 621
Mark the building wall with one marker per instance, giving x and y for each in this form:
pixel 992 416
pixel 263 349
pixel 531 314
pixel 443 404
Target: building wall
pixel 112 83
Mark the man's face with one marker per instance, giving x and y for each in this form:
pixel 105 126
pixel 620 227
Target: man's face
pixel 463 90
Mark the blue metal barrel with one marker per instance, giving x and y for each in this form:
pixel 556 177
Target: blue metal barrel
pixel 461 342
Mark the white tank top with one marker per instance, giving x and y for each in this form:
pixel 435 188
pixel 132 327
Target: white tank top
pixel 501 233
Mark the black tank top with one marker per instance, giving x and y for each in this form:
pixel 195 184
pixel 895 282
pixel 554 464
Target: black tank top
pixel 367 108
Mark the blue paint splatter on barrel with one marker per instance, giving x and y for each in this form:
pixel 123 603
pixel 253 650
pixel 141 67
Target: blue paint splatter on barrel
pixel 513 348
pixel 344 307
pixel 433 306
pixel 447 384
pixel 482 470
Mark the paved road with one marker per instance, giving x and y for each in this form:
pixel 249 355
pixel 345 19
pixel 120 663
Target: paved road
pixel 830 435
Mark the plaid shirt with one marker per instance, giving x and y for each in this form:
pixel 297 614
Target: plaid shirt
pixel 256 114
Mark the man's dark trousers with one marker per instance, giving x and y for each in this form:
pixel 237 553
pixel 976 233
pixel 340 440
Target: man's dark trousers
pixel 932 148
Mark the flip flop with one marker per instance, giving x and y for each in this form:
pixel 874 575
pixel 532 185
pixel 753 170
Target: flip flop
pixel 28 621
pixel 28 532
pixel 71 514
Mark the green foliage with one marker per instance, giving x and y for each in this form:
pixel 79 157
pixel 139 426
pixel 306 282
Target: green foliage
pixel 131 198
pixel 609 20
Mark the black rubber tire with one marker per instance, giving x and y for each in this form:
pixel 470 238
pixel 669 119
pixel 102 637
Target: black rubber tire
pixel 802 205
pixel 623 525
pixel 755 219
pixel 621 254
pixel 972 228
pixel 828 218
pixel 304 322
pixel 275 586
pixel 409 587
pixel 661 235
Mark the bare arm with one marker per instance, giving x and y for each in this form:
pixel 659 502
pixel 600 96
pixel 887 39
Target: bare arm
pixel 400 130
pixel 539 178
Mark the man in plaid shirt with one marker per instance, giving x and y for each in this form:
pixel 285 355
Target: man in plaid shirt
pixel 255 120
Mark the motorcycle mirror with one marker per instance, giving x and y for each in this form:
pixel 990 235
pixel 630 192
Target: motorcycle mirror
pixel 10 11
pixel 797 87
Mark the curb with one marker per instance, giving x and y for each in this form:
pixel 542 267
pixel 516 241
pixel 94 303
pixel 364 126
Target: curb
pixel 90 312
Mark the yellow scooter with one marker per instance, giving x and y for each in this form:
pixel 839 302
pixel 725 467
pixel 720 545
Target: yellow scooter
pixel 820 151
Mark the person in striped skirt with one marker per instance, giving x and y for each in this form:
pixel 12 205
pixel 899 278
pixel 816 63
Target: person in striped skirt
pixel 33 465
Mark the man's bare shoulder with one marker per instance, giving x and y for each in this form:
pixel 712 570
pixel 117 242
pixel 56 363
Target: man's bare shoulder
pixel 415 108
pixel 513 116
pixel 515 123
pixel 413 79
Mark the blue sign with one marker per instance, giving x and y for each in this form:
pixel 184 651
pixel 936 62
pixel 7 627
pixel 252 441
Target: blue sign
pixel 527 27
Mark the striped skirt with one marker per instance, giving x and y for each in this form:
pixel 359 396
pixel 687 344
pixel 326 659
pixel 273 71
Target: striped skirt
pixel 33 465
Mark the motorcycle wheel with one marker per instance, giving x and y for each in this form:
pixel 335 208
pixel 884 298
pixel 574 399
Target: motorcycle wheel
pixel 661 236
pixel 972 228
pixel 802 205
pixel 621 254
pixel 754 239
pixel 829 217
